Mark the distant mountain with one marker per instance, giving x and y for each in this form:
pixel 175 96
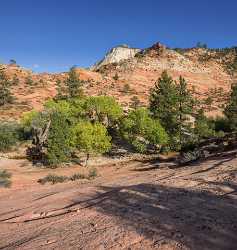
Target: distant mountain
pixel 137 68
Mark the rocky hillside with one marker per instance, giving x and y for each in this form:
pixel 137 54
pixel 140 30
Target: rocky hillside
pixel 125 73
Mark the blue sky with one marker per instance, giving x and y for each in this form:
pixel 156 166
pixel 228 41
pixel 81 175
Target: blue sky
pixel 52 35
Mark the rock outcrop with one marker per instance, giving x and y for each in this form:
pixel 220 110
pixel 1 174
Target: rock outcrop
pixel 116 55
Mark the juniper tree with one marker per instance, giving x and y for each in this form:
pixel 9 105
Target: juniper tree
pixel 59 139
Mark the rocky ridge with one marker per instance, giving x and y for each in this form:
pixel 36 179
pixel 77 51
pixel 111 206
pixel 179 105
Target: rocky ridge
pixel 202 68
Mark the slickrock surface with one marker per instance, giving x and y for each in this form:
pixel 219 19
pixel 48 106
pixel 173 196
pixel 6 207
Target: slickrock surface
pixel 138 205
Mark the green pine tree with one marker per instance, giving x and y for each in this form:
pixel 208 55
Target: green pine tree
pixel 164 103
pixel 172 103
pixel 74 84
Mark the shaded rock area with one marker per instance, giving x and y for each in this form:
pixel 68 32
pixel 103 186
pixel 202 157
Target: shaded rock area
pixel 138 205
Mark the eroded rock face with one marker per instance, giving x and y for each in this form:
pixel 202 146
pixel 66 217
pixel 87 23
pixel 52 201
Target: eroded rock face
pixel 116 55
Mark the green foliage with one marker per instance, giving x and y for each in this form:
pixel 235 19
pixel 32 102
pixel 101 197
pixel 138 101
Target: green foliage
pixel 77 106
pixel 140 130
pixel 60 139
pixel 139 145
pixel 74 84
pixel 9 135
pixel 70 127
pixel 5 94
pixel 231 108
pixel 221 124
pixel 91 138
pixel 62 106
pixel 27 118
pixel 5 178
pixel 203 128
pixel 172 103
pixel 164 102
pixel 103 109
pixel 26 122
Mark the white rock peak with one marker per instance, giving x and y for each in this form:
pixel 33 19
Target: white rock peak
pixel 117 54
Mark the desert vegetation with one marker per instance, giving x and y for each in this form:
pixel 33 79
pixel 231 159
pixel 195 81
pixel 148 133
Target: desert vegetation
pixel 73 126
pixel 6 97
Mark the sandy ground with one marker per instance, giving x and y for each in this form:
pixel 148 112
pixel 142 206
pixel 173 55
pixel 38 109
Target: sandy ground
pixel 138 205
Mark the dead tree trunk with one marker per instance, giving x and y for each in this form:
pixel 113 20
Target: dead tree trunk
pixel 87 159
pixel 40 137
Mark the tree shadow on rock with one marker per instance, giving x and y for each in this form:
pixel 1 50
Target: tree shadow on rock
pixel 196 219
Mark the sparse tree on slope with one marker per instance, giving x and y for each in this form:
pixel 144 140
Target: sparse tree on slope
pixel 74 84
pixel 5 94
pixel 164 103
pixel 172 103
pixel 231 108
